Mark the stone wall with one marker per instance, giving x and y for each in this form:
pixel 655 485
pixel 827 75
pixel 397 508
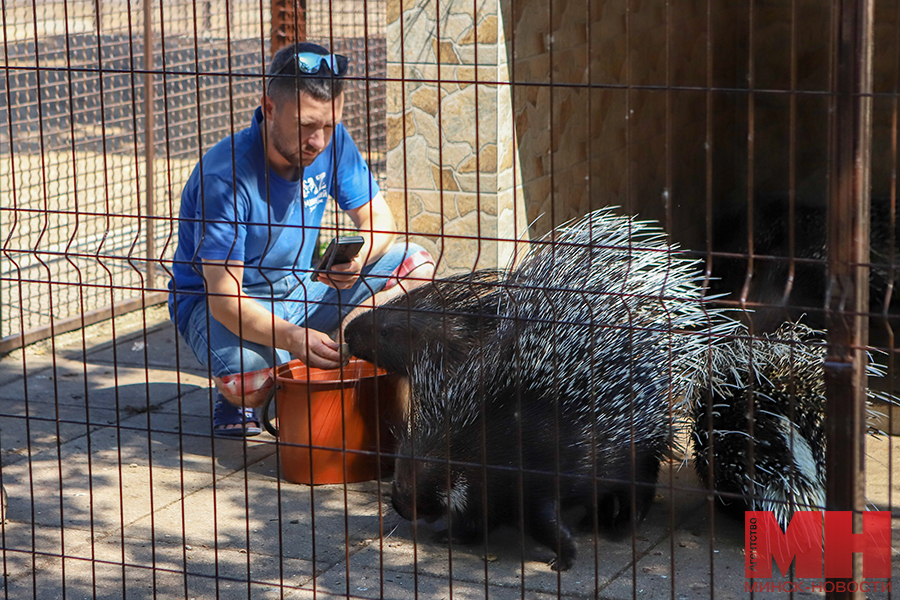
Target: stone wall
pixel 451 146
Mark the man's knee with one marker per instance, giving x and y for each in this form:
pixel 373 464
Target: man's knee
pixel 420 275
pixel 412 264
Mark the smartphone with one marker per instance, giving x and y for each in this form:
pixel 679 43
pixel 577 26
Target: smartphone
pixel 340 250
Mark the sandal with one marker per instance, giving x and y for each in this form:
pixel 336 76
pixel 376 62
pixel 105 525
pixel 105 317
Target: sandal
pixel 226 415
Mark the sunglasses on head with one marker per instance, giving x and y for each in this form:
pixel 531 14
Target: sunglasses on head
pixel 310 63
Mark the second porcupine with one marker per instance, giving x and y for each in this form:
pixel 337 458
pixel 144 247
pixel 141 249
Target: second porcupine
pixel 568 403
pixel 451 315
pixel 787 381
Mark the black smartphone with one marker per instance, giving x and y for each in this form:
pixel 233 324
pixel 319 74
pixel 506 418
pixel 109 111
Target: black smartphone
pixel 340 250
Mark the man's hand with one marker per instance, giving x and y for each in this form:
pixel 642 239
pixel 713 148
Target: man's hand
pixel 245 317
pixel 375 223
pixel 315 348
pixel 343 276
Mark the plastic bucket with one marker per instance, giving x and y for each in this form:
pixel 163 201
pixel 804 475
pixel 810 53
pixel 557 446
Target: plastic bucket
pixel 331 422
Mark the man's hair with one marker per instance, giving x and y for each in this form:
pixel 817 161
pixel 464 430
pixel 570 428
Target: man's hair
pixel 285 80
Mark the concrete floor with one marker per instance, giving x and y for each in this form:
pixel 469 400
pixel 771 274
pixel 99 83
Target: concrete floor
pixel 117 490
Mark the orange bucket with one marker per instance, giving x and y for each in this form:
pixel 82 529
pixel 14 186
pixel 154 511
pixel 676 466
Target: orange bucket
pixel 331 422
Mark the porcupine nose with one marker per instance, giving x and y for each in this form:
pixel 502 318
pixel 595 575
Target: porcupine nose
pixel 357 332
pixel 400 501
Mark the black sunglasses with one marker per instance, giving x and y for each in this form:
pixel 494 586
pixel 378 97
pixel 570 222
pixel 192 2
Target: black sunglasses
pixel 310 63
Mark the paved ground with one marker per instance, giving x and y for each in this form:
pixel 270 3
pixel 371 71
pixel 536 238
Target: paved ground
pixel 117 490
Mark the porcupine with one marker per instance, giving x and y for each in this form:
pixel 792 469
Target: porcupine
pixel 452 315
pixel 566 404
pixel 788 412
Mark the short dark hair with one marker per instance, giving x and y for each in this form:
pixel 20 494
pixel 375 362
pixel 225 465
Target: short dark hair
pixel 285 79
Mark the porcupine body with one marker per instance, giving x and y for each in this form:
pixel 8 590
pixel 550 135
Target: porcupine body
pixel 567 404
pixel 788 418
pixel 450 316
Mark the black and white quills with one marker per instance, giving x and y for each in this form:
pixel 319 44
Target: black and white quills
pixel 787 414
pixel 449 316
pixel 568 402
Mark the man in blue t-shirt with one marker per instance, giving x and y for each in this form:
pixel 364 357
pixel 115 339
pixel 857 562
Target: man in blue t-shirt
pixel 242 296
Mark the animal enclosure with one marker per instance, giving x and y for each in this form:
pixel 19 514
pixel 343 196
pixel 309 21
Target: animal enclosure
pixel 666 239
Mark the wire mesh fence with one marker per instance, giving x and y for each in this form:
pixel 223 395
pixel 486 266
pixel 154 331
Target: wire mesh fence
pixel 79 229
pixel 663 238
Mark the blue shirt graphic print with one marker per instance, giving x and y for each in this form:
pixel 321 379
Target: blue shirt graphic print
pixel 234 208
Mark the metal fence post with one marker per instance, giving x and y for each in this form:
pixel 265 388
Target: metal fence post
pixel 150 282
pixel 288 23
pixel 848 252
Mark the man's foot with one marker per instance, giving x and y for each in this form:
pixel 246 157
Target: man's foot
pixel 232 421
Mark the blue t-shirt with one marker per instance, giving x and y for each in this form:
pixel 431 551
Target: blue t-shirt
pixel 235 208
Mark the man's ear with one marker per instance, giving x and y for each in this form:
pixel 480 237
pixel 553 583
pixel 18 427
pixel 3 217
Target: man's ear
pixel 268 106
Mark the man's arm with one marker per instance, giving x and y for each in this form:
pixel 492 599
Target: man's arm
pixel 248 320
pixel 376 224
